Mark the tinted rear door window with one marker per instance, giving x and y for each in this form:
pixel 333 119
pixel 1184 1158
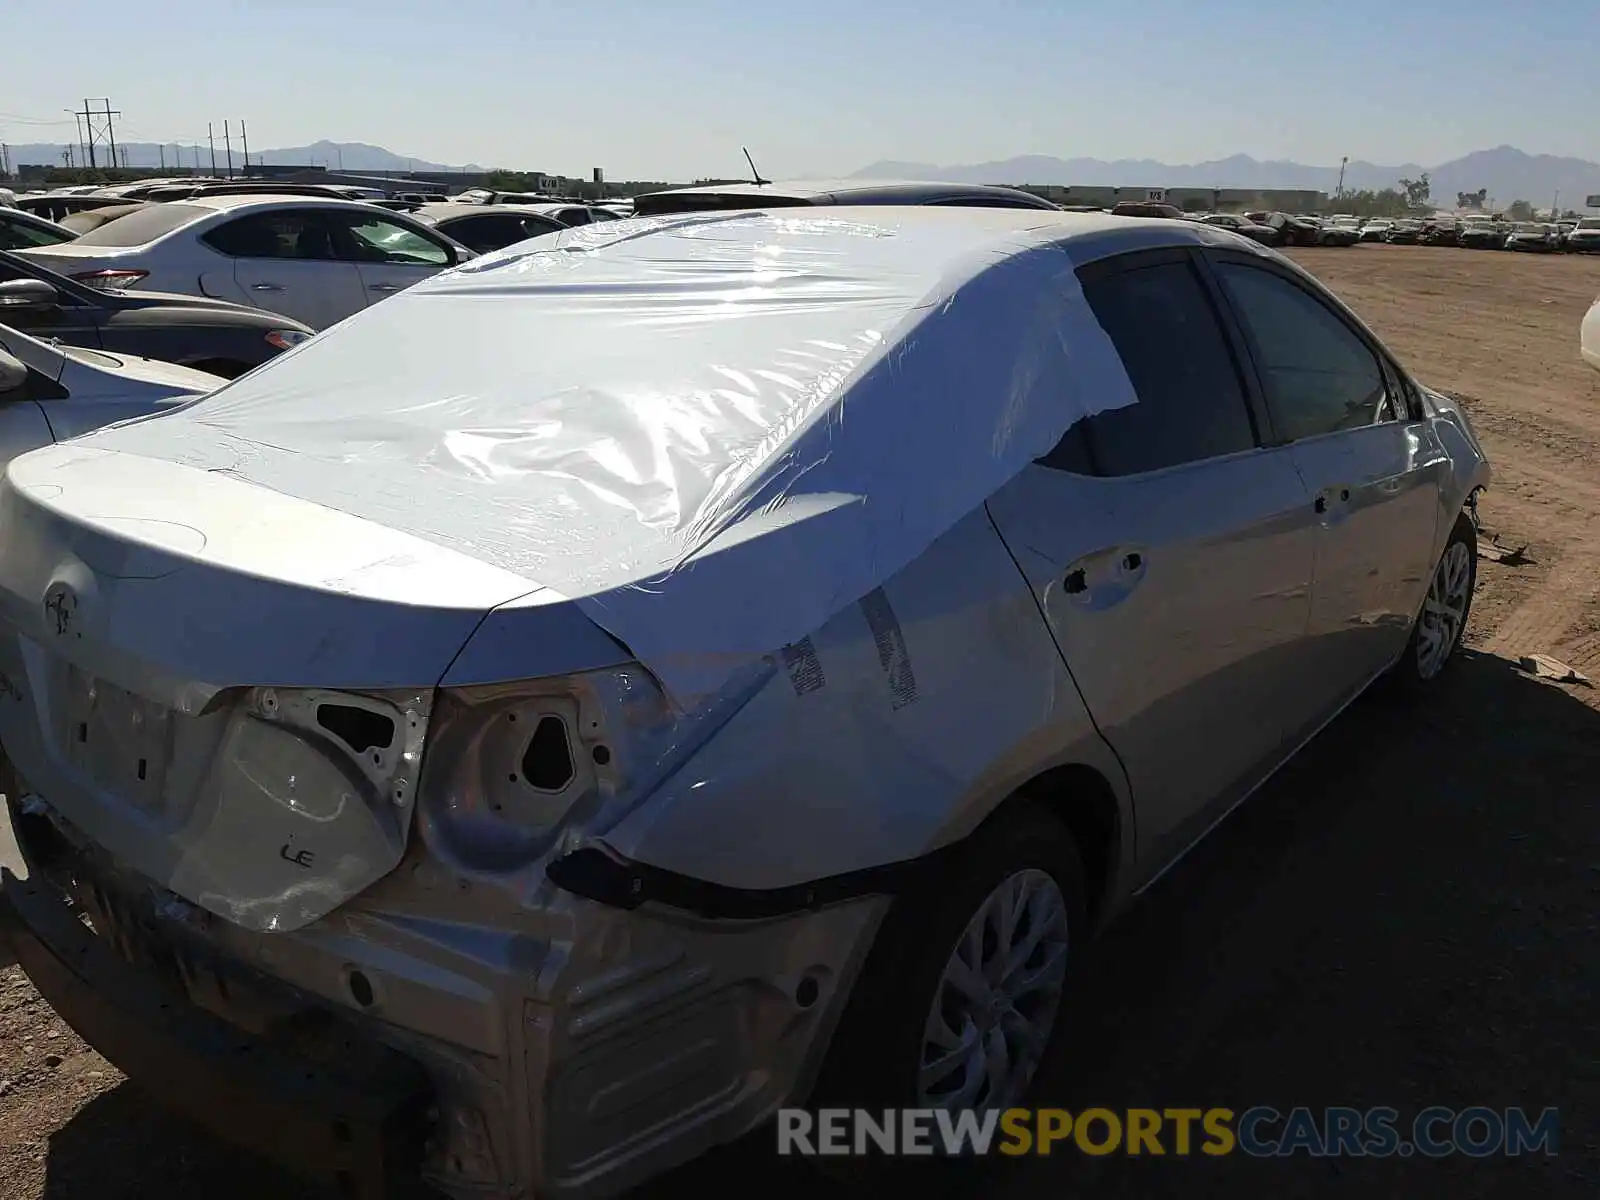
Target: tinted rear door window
pixel 1191 401
pixel 1318 376
pixel 276 233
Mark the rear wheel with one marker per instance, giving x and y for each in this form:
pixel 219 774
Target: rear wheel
pixel 961 995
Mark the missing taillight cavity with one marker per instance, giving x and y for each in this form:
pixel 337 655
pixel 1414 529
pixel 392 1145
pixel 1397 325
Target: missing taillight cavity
pixel 359 728
pixel 547 762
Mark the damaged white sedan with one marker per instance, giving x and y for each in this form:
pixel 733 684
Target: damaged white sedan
pixel 689 666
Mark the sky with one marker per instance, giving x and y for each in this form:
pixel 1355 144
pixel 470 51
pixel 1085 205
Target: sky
pixel 820 87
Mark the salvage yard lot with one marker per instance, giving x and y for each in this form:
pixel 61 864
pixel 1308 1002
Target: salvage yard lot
pixel 1409 915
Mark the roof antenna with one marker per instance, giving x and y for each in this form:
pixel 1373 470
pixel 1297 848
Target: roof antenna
pixel 755 174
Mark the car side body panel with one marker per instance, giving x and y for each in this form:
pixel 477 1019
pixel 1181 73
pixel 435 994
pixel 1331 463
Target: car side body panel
pixel 894 730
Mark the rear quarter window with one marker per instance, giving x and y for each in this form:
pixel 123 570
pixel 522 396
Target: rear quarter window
pixel 144 226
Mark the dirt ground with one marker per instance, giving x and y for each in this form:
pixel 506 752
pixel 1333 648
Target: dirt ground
pixel 1408 915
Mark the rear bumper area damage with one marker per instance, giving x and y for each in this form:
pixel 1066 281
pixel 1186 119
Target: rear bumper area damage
pixel 555 1046
pixel 357 1125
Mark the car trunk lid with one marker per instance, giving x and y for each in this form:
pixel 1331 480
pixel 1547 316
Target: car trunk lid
pixel 226 688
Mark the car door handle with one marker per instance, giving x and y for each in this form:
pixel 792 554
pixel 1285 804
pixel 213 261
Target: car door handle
pixel 388 287
pixel 266 287
pixel 1075 583
pixel 1320 504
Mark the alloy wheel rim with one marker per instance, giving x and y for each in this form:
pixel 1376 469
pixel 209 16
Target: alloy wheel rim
pixel 1444 612
pixel 996 1002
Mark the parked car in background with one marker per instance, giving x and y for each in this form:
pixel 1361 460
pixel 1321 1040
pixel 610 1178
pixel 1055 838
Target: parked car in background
pixel 1340 231
pixel 595 812
pixel 1148 209
pixel 1533 236
pixel 21 230
pixel 80 223
pixel 1589 336
pixel 568 214
pixel 1407 231
pixel 49 392
pixel 1585 237
pixel 1483 233
pixel 209 335
pixel 256 187
pixel 734 196
pixel 1375 229
pixel 1292 230
pixel 487 227
pixel 316 260
pixel 1264 234
pixel 1441 231
pixel 56 206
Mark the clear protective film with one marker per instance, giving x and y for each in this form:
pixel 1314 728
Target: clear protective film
pixel 710 432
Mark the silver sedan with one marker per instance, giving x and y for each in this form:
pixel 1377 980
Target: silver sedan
pixel 657 674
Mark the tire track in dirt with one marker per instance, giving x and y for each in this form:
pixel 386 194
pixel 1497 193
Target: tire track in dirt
pixel 1540 622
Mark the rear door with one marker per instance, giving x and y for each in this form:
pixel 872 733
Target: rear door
pixel 1171 553
pixel 388 255
pixel 284 261
pixel 1372 464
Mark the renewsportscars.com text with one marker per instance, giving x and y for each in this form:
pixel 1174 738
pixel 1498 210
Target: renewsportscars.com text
pixel 1260 1132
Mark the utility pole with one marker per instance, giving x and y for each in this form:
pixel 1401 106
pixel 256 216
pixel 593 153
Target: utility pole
pixel 212 138
pixel 227 143
pixel 111 135
pixel 97 135
pixel 66 156
pixel 77 119
pixel 244 138
pixel 162 151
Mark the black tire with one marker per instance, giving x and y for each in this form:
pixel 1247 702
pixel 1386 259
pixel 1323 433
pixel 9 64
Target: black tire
pixel 1409 673
pixel 873 1060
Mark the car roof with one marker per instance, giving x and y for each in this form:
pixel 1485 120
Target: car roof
pixel 850 191
pixel 267 199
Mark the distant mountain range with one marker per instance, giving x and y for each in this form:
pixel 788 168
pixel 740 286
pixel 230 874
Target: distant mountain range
pixel 345 156
pixel 1508 173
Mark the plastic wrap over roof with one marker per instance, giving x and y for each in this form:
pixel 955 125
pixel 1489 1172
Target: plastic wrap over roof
pixel 712 432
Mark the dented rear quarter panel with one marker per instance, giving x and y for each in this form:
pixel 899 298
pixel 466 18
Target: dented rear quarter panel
pixel 892 731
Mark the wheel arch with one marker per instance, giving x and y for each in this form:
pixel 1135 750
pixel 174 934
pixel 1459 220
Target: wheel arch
pixel 1084 800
